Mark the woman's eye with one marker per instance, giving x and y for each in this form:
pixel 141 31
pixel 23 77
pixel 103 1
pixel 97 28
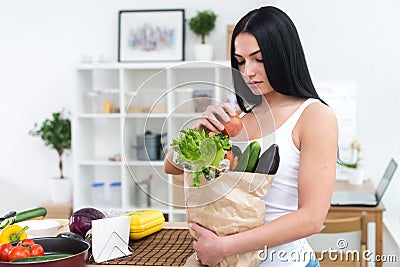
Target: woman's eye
pixel 241 62
pixel 259 60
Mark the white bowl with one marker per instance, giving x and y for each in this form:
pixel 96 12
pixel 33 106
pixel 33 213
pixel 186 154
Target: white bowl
pixel 40 228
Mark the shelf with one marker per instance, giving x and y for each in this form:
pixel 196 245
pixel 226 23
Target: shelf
pixel 100 163
pixel 153 65
pixel 98 66
pixel 97 135
pixel 158 163
pixel 145 115
pixel 179 211
pixel 99 116
pixel 185 115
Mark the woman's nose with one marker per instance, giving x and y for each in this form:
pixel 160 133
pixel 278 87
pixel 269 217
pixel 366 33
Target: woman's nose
pixel 249 70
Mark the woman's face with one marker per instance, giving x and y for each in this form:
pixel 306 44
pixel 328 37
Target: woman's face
pixel 251 65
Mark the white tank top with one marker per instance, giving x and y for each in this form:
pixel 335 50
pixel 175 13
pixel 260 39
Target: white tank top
pixel 282 197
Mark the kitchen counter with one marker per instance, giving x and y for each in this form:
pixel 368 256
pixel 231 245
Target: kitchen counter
pixel 161 247
pixel 190 262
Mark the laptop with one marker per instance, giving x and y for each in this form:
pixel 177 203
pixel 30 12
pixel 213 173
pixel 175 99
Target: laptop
pixel 359 198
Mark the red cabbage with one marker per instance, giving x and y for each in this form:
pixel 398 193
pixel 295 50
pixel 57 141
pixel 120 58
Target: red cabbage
pixel 81 220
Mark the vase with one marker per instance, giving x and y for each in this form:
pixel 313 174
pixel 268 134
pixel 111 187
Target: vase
pixel 60 190
pixel 355 176
pixel 204 52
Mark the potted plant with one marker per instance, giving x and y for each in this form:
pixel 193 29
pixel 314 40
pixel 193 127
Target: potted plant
pixel 201 25
pixel 351 164
pixel 56 134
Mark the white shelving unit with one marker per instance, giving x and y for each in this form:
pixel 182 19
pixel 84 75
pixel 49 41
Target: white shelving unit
pixel 140 97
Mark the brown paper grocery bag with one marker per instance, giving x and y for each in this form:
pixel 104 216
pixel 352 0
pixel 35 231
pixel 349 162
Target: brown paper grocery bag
pixel 227 205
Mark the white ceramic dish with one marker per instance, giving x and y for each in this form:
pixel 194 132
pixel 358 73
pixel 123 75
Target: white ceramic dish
pixel 40 228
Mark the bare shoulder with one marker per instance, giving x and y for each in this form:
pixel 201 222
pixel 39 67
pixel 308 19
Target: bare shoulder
pixel 317 127
pixel 318 119
pixel 318 112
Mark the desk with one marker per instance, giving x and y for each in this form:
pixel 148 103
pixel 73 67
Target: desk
pixel 374 214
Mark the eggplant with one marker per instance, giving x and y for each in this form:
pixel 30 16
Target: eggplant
pixel 236 151
pixel 268 162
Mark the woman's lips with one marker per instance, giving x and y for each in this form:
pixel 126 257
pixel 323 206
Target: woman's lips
pixel 253 84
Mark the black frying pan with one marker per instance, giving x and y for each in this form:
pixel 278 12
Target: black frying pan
pixel 58 245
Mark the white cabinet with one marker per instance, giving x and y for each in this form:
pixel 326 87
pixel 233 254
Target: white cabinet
pixel 114 105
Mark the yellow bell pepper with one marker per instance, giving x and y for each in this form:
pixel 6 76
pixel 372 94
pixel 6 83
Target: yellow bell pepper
pixel 13 233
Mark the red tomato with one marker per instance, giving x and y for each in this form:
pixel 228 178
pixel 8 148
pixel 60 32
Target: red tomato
pixel 26 242
pixel 233 126
pixel 4 250
pixel 19 252
pixel 37 250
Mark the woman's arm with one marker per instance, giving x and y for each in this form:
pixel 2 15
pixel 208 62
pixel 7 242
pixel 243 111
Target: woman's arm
pixel 316 134
pixel 170 167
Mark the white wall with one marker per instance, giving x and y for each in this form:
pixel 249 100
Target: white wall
pixel 40 42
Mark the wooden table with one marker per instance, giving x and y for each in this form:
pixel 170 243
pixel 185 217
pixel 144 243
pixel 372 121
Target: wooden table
pixel 373 214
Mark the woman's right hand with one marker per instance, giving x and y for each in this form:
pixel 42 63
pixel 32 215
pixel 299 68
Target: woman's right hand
pixel 211 118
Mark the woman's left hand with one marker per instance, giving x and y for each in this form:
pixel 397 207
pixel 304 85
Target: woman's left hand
pixel 208 246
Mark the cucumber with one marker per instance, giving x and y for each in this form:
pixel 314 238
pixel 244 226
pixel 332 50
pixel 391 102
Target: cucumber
pixel 255 149
pixel 249 159
pixel 30 214
pixel 43 258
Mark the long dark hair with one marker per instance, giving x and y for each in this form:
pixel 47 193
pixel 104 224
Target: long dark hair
pixel 282 54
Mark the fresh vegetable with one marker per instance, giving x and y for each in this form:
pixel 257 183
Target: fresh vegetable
pixel 24 248
pixel 233 126
pixel 199 151
pixel 37 250
pixel 12 233
pixel 30 214
pixel 81 220
pixel 19 252
pixel 268 162
pixel 4 251
pixel 26 242
pixel 23 216
pixel 236 151
pixel 249 159
pixel 43 258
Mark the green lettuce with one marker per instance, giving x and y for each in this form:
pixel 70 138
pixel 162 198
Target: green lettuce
pixel 199 151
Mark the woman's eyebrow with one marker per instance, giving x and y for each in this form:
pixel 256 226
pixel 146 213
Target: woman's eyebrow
pixel 251 54
pixel 255 52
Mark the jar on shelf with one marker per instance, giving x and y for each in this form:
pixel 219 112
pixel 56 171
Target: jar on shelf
pixel 115 194
pixel 143 192
pixel 184 100
pixel 202 99
pixel 110 101
pixel 93 102
pixel 98 194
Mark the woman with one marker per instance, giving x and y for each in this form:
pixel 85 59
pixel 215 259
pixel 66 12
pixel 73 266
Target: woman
pixel 266 49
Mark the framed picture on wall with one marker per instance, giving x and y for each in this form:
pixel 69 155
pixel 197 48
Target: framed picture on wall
pixel 151 35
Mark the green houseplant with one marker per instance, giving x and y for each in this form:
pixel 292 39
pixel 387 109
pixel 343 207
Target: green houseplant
pixel 56 134
pixel 354 158
pixel 352 169
pixel 202 24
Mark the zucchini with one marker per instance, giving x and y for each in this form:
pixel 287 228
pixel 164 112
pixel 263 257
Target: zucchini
pixel 23 216
pixel 43 258
pixel 30 214
pixel 249 159
pixel 255 149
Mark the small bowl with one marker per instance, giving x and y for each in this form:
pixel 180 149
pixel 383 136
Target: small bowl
pixel 40 228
